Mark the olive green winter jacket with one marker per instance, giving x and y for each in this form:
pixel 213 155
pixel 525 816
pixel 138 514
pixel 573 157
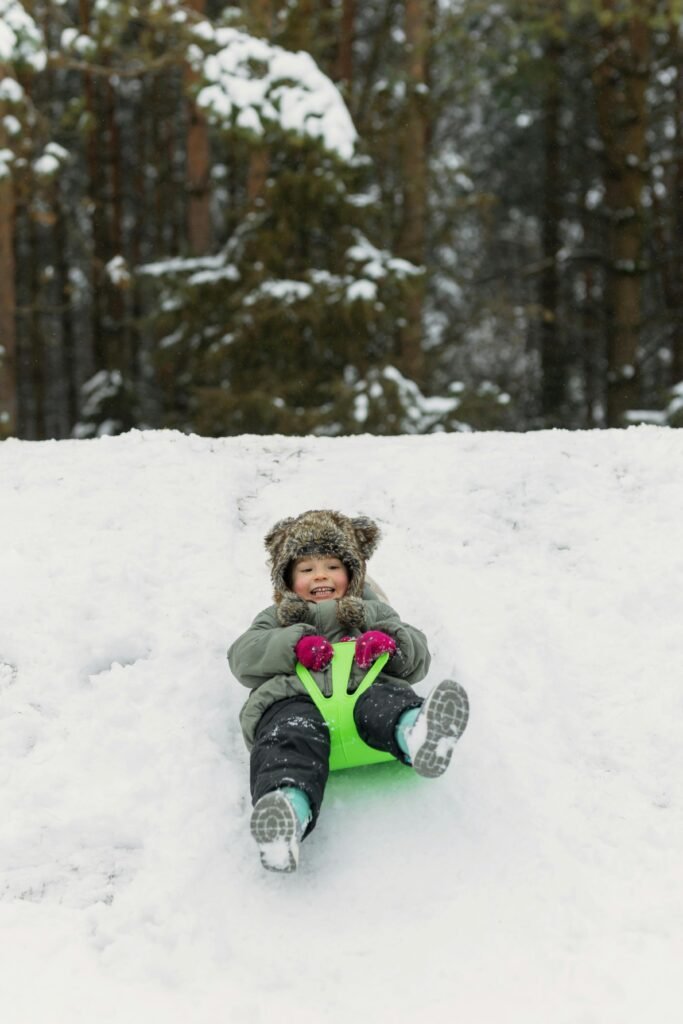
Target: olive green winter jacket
pixel 263 657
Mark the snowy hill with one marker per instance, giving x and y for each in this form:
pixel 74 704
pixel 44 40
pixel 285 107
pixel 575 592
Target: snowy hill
pixel 538 881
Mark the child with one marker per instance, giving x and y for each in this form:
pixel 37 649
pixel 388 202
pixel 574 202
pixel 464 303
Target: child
pixel 318 562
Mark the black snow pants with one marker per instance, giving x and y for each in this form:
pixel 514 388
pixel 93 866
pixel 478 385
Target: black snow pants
pixel 292 741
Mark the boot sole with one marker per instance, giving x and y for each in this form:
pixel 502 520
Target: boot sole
pixel 275 828
pixel 443 719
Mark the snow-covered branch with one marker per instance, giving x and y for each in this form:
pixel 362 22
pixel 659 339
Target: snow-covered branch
pixel 255 86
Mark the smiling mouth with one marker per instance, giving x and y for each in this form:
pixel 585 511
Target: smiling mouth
pixel 317 591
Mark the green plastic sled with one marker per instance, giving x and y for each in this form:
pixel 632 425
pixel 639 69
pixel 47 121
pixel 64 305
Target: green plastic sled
pixel 348 749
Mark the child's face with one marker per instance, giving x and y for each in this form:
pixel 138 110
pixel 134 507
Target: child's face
pixel 320 578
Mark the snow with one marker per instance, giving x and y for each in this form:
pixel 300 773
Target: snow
pixel 362 291
pixel 283 291
pixel 422 412
pixel 11 91
pixel 20 39
pixel 78 42
pixel 54 149
pixel 46 165
pixel 6 160
pixel 290 90
pixel 202 269
pixel 117 271
pixel 379 262
pixel 11 124
pixel 538 880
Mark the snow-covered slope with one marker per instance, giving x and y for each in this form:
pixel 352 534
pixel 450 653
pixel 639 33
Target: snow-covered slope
pixel 538 881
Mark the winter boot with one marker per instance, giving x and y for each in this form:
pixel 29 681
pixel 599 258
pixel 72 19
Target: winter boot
pixel 439 725
pixel 278 822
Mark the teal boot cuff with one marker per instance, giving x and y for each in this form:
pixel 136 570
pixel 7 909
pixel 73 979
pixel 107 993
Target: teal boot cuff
pixel 405 722
pixel 300 803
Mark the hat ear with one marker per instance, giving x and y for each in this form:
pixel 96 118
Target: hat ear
pixel 367 535
pixel 275 535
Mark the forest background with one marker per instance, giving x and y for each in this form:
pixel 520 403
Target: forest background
pixel 340 216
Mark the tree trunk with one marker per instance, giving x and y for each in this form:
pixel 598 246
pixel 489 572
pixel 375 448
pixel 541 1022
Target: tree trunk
pixel 198 169
pixel 69 358
pixel 677 256
pixel 8 371
pixel 117 340
pixel 198 166
pixel 347 29
pixel 553 361
pixel 36 348
pixel 668 220
pixel 161 236
pixel 94 202
pixel 620 79
pixel 261 22
pixel 302 27
pixel 592 370
pixel 412 240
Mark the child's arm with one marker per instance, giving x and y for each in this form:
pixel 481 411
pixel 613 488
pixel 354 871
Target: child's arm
pixel 412 659
pixel 266 649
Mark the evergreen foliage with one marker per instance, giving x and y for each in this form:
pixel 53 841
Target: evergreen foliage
pixel 203 237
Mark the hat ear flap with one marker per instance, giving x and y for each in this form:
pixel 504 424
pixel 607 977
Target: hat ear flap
pixel 367 535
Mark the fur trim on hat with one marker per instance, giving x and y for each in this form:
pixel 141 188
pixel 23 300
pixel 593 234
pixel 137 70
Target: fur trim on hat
pixel 321 532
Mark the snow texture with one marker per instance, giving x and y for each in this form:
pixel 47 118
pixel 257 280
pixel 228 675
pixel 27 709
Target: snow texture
pixel 538 880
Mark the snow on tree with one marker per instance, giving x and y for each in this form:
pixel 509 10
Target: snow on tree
pixel 275 332
pixel 255 86
pixel 21 41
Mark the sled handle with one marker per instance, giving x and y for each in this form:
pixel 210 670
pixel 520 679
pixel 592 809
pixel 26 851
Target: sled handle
pixel 348 749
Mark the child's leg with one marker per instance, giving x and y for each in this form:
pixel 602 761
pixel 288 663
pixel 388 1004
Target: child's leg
pixel 426 739
pixel 378 711
pixel 291 748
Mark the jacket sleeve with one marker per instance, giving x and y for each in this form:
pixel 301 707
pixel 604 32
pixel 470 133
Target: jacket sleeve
pixel 412 659
pixel 265 650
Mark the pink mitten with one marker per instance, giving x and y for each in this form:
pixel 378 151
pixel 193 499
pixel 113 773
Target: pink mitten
pixel 314 652
pixel 370 645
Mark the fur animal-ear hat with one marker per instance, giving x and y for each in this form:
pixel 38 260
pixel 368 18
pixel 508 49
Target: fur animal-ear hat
pixel 321 532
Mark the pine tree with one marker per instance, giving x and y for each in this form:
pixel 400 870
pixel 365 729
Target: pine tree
pixel 272 333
